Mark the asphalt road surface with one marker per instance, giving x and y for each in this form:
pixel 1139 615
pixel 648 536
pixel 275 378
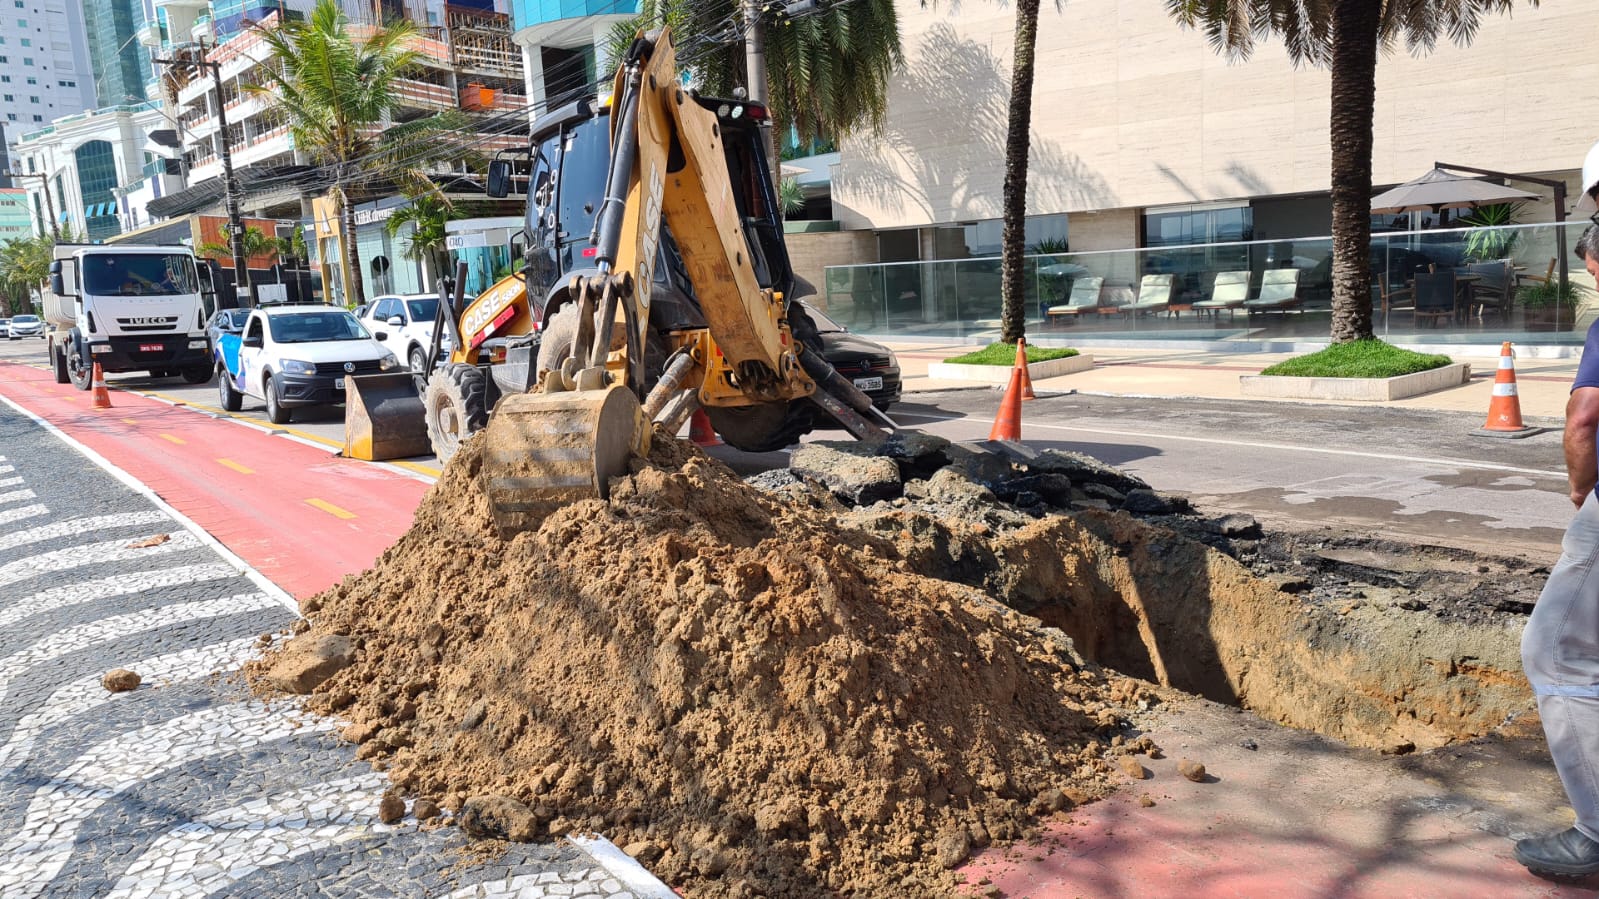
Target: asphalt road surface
pixel 1406 473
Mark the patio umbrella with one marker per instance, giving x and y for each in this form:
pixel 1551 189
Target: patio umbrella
pixel 1439 189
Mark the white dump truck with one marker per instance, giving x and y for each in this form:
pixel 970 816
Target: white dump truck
pixel 130 308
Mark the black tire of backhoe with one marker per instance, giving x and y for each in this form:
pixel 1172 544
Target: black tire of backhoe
pixel 799 418
pixel 463 387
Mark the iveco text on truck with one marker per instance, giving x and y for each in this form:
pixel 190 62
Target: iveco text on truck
pixel 130 308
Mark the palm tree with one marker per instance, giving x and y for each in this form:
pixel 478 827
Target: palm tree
pixel 427 215
pixel 1344 35
pixel 1013 196
pixel 337 92
pixel 256 243
pixel 827 70
pixel 25 266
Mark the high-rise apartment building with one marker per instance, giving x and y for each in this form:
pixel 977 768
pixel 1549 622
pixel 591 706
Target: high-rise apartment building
pixel 119 62
pixel 44 65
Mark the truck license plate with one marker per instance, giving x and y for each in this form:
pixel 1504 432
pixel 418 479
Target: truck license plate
pixel 150 348
pixel 338 383
pixel 869 383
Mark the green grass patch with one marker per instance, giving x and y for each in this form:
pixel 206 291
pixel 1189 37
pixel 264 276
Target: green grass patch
pixel 1005 354
pixel 1358 359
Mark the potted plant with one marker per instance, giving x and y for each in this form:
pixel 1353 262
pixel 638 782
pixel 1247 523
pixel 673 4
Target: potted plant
pixel 1489 237
pixel 1550 305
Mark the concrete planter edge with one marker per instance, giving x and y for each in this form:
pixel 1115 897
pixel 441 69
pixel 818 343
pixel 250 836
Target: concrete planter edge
pixel 1000 374
pixel 1372 390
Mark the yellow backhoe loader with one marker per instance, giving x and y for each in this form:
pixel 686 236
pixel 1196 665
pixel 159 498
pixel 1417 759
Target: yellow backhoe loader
pixel 674 300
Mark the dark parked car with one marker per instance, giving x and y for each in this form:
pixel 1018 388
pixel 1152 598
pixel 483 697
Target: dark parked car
pixel 5 327
pixel 869 364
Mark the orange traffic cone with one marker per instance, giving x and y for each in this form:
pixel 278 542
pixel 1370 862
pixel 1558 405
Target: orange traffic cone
pixel 102 396
pixel 1021 363
pixel 1008 424
pixel 1504 409
pixel 700 430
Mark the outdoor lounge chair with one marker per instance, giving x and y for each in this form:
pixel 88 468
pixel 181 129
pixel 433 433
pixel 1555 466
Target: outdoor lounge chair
pixel 1084 298
pixel 1229 292
pixel 1154 295
pixel 1279 292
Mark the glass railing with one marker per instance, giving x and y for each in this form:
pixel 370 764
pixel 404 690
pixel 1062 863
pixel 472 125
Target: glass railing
pixel 1470 285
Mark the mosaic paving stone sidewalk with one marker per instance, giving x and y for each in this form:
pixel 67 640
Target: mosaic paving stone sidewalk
pixel 187 786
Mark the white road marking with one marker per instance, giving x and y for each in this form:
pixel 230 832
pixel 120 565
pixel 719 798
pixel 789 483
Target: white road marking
pixel 16 496
pixel 116 627
pixel 1251 444
pixel 116 585
pixel 92 554
pixel 76 526
pixel 8 516
pixel 10 482
pixel 32 857
pixel 211 853
pixel 86 693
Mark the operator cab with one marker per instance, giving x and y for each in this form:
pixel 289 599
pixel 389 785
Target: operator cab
pixel 563 174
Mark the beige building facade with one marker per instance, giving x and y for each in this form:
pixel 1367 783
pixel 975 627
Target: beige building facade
pixel 1133 116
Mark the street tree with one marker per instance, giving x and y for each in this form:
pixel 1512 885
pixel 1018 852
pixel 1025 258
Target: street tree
pixel 337 89
pixel 1013 195
pixel 1344 36
pixel 827 67
pixel 427 214
pixel 256 243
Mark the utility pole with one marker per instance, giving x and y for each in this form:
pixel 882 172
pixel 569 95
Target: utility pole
pixel 230 183
pixel 49 202
pixel 755 68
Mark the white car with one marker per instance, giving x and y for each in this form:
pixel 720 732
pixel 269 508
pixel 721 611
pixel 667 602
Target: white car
pixel 25 326
pixel 405 321
pixel 289 356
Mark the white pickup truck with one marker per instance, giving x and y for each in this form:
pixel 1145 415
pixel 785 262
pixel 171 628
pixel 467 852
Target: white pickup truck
pixel 291 356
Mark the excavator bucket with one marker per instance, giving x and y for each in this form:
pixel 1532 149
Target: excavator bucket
pixel 384 418
pixel 544 450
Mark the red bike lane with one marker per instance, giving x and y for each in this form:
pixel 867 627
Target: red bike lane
pixel 304 517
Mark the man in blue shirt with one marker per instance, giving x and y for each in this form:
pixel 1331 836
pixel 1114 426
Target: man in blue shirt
pixel 1560 646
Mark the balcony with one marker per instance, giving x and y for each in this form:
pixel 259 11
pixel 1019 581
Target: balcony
pixel 150 34
pixel 424 95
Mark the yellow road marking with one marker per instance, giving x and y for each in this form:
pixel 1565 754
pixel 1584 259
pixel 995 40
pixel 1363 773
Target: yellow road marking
pixel 419 468
pixel 171 439
pixel 229 463
pixel 130 421
pixel 329 508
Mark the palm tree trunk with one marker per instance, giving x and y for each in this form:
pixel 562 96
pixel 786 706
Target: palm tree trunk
pixel 1354 91
pixel 1013 317
pixel 355 292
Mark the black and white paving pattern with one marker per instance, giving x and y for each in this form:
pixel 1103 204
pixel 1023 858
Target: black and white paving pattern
pixel 188 786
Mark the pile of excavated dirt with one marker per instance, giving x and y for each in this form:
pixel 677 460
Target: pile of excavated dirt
pixel 747 697
pixel 846 676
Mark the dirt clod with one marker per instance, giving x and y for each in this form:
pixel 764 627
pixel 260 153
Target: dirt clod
pixel 1132 767
pixel 498 818
pixel 1146 802
pixel 425 809
pixel 1191 769
pixel 147 542
pixel 120 680
pixel 391 808
pixel 306 662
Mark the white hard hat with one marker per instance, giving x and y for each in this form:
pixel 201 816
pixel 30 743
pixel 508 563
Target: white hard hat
pixel 1590 182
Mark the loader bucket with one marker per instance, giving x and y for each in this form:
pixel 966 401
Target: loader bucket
pixel 544 450
pixel 383 418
